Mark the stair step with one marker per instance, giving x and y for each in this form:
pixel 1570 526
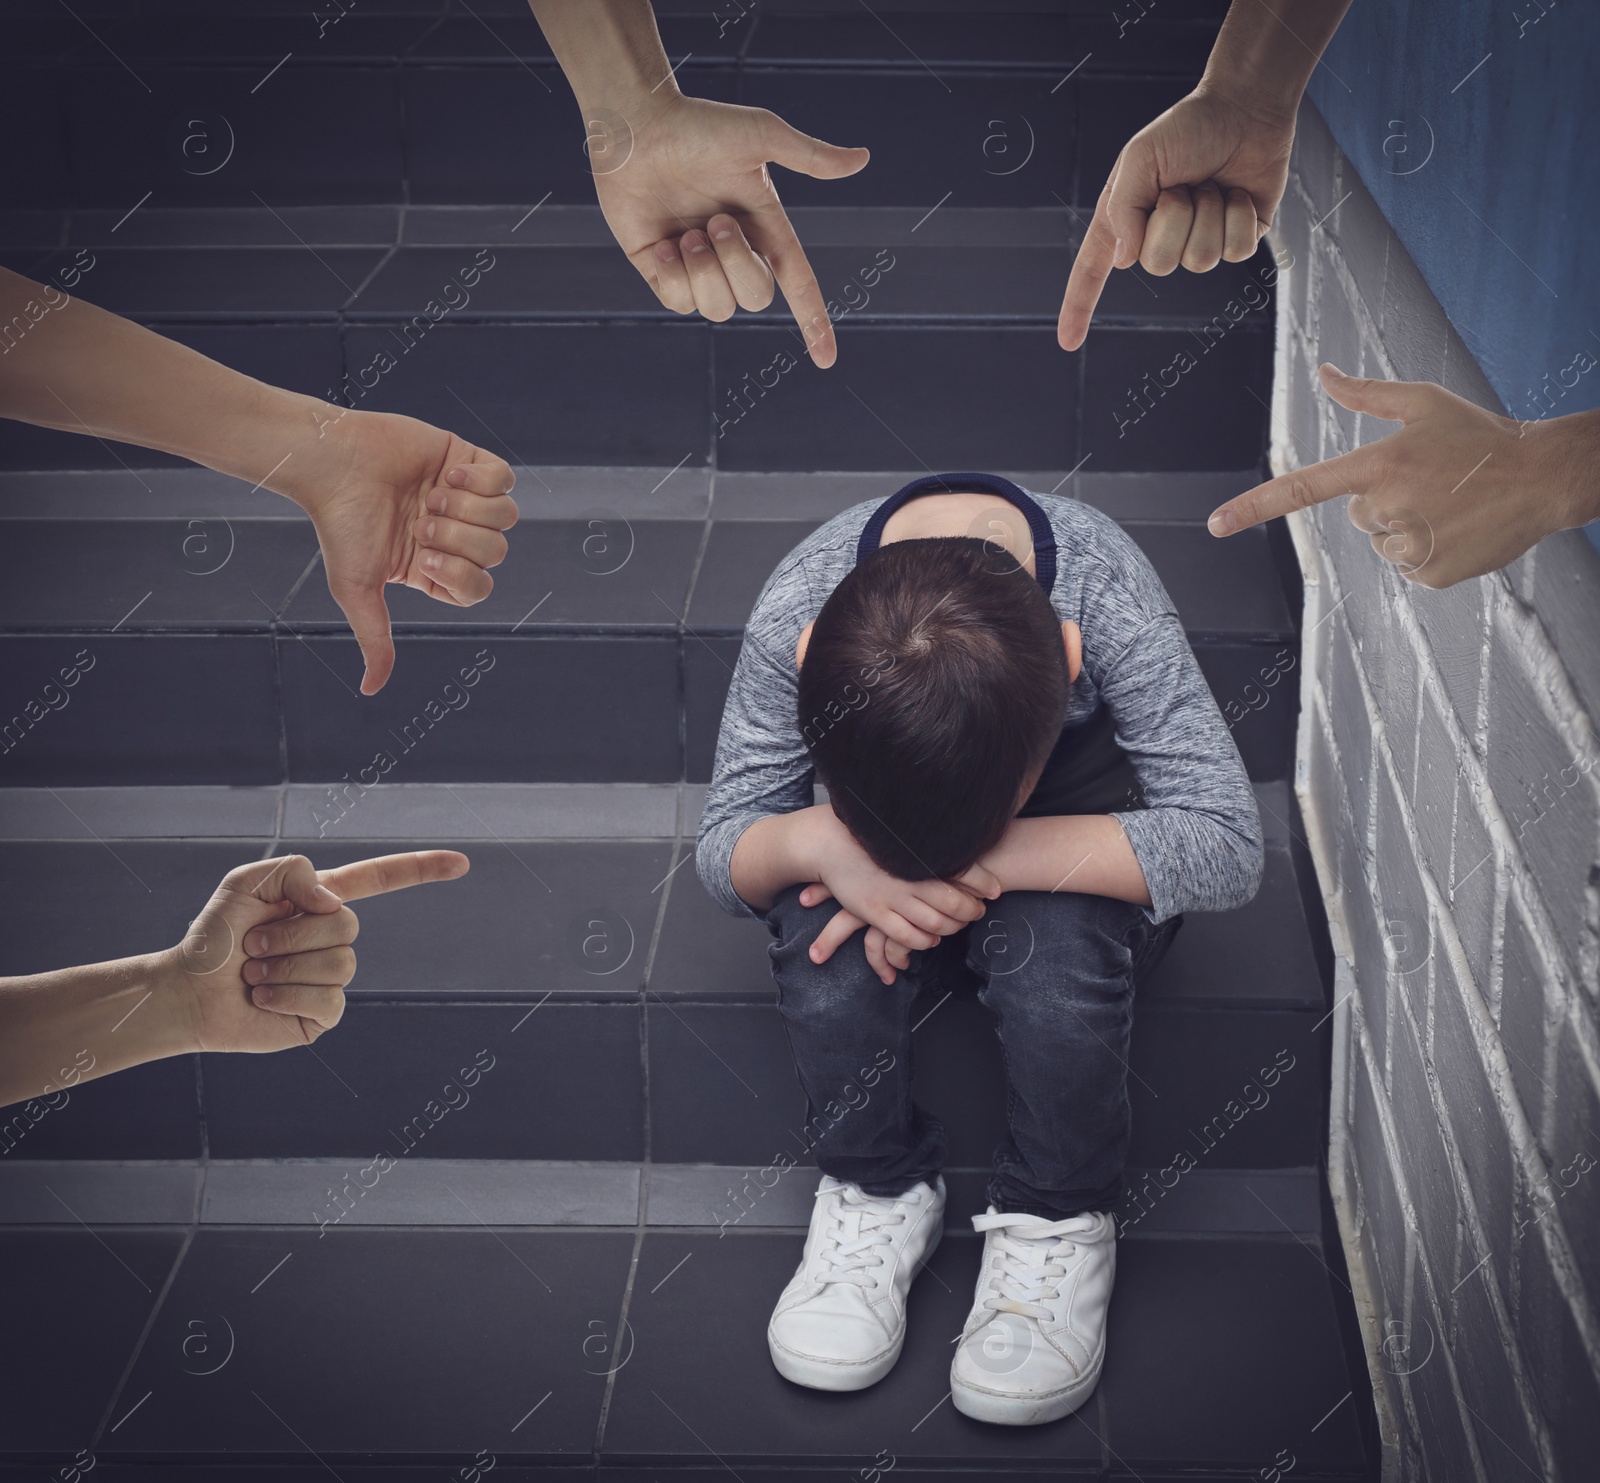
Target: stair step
pixel 721 1086
pixel 499 34
pixel 1222 1355
pixel 473 110
pixel 1219 1353
pixel 574 1061
pixel 208 644
pixel 415 1190
pixel 186 270
pixel 957 396
pixel 591 938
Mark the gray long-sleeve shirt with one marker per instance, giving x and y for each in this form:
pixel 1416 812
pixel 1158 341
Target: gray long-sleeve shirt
pixel 1197 840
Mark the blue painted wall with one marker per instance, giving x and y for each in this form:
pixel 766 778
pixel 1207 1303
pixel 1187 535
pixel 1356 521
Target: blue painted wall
pixel 1492 180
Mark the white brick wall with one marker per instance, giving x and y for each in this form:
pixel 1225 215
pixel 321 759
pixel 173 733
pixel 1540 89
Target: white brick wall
pixel 1446 747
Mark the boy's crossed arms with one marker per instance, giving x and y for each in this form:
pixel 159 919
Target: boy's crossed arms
pixel 1082 852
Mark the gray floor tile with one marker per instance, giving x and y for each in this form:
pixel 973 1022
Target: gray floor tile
pixel 1138 496
pixel 724 1195
pixel 327 1352
pixel 577 492
pixel 1262 1202
pixel 949 226
pixel 666 1414
pixel 76 1315
pixel 420 1192
pixel 135 576
pixel 489 811
pixel 691 802
pixel 140 813
pixel 604 569
pixel 1227 588
pixel 142 494
pixel 798 496
pixel 145 894
pixel 238 226
pixel 530 223
pixel 531 917
pixel 98 1192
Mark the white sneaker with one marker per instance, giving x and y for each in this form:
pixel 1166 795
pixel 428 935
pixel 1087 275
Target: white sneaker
pixel 1036 1339
pixel 842 1319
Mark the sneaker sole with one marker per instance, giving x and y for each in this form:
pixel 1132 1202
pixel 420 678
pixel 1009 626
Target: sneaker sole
pixel 1016 1410
pixel 823 1374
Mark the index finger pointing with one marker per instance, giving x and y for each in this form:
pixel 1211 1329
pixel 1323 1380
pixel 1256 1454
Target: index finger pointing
pixel 1090 269
pixel 774 238
pixel 1350 473
pixel 393 873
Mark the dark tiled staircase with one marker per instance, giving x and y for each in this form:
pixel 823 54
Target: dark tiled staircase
pixel 573 1057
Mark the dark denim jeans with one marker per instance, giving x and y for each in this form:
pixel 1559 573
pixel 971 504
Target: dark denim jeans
pixel 1056 970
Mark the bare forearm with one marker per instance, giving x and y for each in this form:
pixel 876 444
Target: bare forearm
pixel 1574 467
pixel 1267 50
pixel 72 1025
pixel 1088 853
pixel 774 853
pixel 610 50
pixel 84 370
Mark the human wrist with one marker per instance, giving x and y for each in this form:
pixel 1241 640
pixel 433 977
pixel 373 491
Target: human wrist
pixel 173 1025
pixel 1270 100
pixel 304 444
pixel 1261 65
pixel 1568 461
pixel 813 832
pixel 1007 861
pixel 611 54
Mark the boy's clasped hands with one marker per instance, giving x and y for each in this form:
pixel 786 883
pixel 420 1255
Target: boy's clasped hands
pixel 900 917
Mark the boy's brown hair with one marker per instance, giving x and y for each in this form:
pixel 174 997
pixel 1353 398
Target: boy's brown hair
pixel 933 685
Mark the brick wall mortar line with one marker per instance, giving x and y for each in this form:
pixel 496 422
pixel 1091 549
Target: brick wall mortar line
pixel 1486 1041
pixel 1492 1057
pixel 1494 1061
pixel 1392 1149
pixel 1495 1066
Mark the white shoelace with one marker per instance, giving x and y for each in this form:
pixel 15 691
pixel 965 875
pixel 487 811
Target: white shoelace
pixel 853 1234
pixel 1032 1262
